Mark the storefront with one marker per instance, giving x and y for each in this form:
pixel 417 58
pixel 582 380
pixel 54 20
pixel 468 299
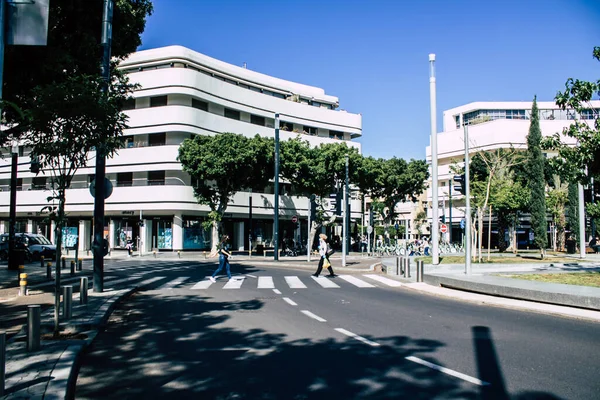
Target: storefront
pixel 195 237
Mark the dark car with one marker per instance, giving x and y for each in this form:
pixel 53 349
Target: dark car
pixel 34 245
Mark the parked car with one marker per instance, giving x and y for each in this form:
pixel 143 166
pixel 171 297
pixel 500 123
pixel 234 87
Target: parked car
pixel 35 246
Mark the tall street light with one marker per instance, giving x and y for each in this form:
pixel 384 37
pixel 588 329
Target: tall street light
pixel 276 197
pixel 434 165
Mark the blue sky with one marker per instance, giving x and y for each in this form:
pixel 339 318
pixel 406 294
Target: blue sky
pixel 373 54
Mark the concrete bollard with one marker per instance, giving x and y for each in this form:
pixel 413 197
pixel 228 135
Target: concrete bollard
pixel 83 290
pixel 22 284
pixel 154 252
pixel 80 265
pixel 407 267
pixel 178 254
pixel 49 270
pixel 42 262
pixel 34 314
pixel 2 361
pixel 420 271
pixel 64 263
pixel 72 267
pixel 67 292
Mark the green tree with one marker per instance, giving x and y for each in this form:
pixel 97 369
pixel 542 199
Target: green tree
pixel 537 184
pixel 581 161
pixel 222 165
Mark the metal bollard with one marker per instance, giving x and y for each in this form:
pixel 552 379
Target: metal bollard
pixel 80 265
pixel 34 314
pixel 64 263
pixel 72 267
pixel 22 284
pixel 83 291
pixel 397 265
pixel 407 267
pixel 67 292
pixel 420 271
pixel 154 252
pixel 2 361
pixel 42 262
pixel 178 254
pixel 48 270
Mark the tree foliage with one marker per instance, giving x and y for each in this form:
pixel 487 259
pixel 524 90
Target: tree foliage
pixel 581 161
pixel 537 183
pixel 224 164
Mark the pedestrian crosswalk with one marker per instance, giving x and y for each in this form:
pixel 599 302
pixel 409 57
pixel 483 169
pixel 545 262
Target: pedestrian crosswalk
pixel 292 282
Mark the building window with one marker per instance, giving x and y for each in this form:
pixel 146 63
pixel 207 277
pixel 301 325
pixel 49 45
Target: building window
pixel 129 104
pixel 286 126
pixel 257 120
pixel 124 179
pixel 310 130
pixel 457 120
pixel 233 114
pixel 158 101
pixel 38 183
pixel 91 178
pixel 336 135
pixel 200 105
pixel 19 183
pixel 589 114
pixel 128 142
pixel 157 139
pixel 156 178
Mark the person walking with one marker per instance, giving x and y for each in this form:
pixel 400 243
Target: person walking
pixel 323 250
pixel 224 255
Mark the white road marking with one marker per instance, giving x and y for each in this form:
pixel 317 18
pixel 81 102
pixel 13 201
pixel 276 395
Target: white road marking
pixel 325 282
pixel 170 285
pixel 355 336
pixel 313 316
pixel 385 281
pixel 143 283
pixel 205 284
pixel 234 283
pixel 251 276
pixel 294 282
pixel 265 282
pixel 448 371
pixel 276 291
pixel 355 281
pixel 289 301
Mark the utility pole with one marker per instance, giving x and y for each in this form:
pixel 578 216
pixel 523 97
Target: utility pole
pixel 100 187
pixel 467 206
pixel 345 216
pixel 435 229
pixel 450 210
pixel 276 197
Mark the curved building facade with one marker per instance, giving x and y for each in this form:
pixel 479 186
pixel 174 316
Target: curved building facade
pixel 183 93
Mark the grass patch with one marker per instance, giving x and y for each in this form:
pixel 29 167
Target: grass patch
pixel 573 278
pixel 524 259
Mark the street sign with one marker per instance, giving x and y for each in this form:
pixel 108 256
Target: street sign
pixel 443 228
pixel 462 224
pixel 369 229
pixel 294 218
pixel 108 188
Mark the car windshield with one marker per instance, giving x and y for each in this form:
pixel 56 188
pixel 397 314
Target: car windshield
pixel 42 239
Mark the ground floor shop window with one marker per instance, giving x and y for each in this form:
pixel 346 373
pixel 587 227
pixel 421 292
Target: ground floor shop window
pixel 195 237
pixel 162 234
pixel 125 230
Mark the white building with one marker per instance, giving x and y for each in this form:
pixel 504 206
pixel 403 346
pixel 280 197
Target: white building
pixel 491 125
pixel 184 93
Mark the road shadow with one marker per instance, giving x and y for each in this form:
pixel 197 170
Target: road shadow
pixel 157 345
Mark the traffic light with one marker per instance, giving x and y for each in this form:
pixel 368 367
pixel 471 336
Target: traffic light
pixel 460 184
pixel 443 219
pixel 313 207
pixel 338 203
pixel 35 165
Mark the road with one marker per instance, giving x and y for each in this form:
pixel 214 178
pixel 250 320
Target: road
pixel 267 337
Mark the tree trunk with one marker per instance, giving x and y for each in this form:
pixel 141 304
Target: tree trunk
pixel 489 233
pixel 479 233
pixel 58 235
pixel 216 227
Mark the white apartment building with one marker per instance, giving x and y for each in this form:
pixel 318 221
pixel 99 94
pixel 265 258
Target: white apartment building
pixel 491 125
pixel 182 94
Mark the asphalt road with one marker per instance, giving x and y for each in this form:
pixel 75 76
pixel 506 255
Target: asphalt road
pixel 349 342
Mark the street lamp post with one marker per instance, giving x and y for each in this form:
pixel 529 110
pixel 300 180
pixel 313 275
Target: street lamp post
pixel 345 216
pixel 467 205
pixel 434 164
pixel 276 197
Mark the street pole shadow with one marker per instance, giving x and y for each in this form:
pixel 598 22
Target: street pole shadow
pixel 488 365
